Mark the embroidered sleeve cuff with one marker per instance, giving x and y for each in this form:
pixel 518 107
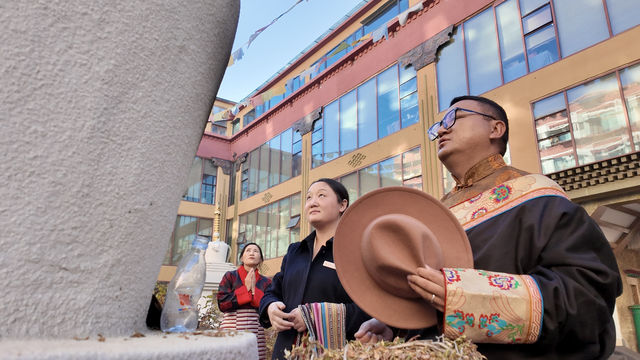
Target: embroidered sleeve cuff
pixel 243 295
pixel 490 307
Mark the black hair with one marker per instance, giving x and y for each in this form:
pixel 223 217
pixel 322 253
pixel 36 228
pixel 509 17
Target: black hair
pixel 245 247
pixel 499 111
pixel 338 189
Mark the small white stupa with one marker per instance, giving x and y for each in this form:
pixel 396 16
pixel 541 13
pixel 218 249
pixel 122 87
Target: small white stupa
pixel 217 257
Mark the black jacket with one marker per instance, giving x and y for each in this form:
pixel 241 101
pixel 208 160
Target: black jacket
pixel 302 281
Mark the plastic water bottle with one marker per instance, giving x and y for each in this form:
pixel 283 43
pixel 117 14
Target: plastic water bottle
pixel 180 311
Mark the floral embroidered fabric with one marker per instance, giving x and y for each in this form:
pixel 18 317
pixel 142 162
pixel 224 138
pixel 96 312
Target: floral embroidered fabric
pixel 504 197
pixel 491 307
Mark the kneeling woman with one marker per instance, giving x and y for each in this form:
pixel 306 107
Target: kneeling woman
pixel 306 295
pixel 239 295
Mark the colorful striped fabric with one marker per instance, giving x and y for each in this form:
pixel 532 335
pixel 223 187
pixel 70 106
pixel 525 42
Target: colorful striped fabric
pixel 325 323
pixel 246 320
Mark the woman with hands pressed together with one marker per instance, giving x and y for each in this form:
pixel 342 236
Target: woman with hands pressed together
pixel 239 295
pixel 306 295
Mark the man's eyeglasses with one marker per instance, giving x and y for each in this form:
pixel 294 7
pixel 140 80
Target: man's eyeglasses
pixel 448 120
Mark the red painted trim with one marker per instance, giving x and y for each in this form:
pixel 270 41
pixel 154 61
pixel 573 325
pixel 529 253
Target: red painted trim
pixel 606 16
pixel 495 21
pixel 555 29
pixel 214 147
pixel 466 65
pixel 524 44
pixel 362 63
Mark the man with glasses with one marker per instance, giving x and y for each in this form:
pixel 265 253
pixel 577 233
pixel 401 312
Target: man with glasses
pixel 545 279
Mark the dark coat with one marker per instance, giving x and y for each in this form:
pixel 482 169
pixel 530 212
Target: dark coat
pixel 303 281
pixel 562 248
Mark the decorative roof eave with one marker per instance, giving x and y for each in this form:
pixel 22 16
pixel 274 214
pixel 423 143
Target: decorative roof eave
pixel 600 172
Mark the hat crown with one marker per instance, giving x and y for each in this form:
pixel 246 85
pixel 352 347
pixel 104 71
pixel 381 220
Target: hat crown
pixel 387 262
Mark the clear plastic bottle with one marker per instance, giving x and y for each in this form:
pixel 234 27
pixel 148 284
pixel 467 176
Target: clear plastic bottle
pixel 180 311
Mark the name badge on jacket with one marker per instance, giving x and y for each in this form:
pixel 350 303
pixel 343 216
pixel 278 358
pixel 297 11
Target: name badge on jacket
pixel 329 264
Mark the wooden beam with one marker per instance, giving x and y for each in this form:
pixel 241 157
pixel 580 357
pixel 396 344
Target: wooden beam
pixel 599 212
pixel 612 226
pixel 625 239
pixel 624 210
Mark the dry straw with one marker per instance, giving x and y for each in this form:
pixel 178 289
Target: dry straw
pixel 441 349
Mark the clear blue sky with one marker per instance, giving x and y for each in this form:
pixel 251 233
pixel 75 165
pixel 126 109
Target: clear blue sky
pixel 279 43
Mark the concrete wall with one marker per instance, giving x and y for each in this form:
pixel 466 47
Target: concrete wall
pixel 103 104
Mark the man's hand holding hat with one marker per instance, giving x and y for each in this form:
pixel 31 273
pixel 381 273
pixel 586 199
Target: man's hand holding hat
pixel 429 284
pixel 388 248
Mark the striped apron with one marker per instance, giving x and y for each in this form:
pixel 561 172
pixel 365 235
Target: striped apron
pixel 246 320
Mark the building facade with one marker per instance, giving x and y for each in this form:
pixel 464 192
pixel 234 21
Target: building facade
pixel 357 104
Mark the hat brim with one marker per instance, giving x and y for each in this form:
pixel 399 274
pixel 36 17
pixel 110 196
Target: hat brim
pixel 362 288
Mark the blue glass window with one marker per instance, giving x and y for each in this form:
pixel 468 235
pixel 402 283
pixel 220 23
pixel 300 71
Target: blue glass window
pixel 408 87
pixel 409 107
pixel 296 167
pixel 254 169
pixel 235 126
pixel 348 123
pixel 274 163
pixel 549 105
pixel 599 125
pixel 388 109
pixel 537 19
pixel 367 116
pixel 208 194
pixel 316 144
pixel 331 131
pixel 450 70
pixel 249 117
pixel 263 174
pixel 510 36
pixel 389 13
pixel 483 62
pixel 406 73
pixel 287 155
pixel 408 96
pixel 208 189
pixel 541 47
pixel 194 181
pixel 623 14
pixel 591 125
pixel 554 135
pixel 391 172
pixel 527 6
pixel 369 179
pixel 259 110
pixel 275 100
pixel 578 32
pixel 630 78
pixel 184 232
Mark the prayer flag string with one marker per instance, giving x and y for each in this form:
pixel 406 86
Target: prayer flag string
pixel 261 98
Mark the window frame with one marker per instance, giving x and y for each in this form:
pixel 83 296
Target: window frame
pixel 564 91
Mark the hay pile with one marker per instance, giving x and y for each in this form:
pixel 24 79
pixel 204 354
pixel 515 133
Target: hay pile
pixel 440 349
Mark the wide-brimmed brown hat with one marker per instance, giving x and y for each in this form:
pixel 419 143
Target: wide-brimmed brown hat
pixel 385 236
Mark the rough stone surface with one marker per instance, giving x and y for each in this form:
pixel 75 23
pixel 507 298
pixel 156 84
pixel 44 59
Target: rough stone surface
pixel 102 106
pixel 151 347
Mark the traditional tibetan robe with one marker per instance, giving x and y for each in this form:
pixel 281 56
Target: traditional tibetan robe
pixel 545 279
pixel 240 306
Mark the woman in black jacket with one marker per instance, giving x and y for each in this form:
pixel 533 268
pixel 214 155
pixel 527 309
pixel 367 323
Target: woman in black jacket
pixel 306 295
